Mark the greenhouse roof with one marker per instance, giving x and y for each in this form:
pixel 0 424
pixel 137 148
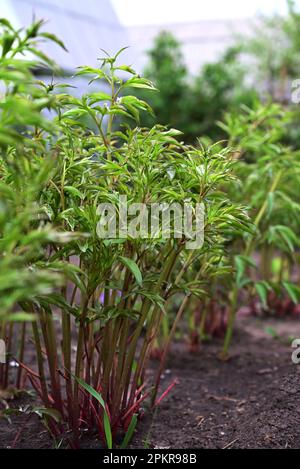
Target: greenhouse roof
pixel 84 26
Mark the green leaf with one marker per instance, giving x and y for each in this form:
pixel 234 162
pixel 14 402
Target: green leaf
pixel 137 82
pixel 74 191
pixel 99 96
pixel 5 22
pixel 7 42
pixel 272 332
pixel 289 237
pixel 20 317
pixel 262 289
pixel 240 263
pixel 99 398
pixel 55 39
pixel 119 51
pixel 129 432
pixel 43 411
pixel 84 70
pixel 42 56
pixel 133 267
pixel 77 112
pixel 125 68
pixel 283 236
pixel 293 291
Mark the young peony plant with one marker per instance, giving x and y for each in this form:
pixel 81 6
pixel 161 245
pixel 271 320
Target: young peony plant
pixel 93 335
pixel 23 233
pixel 268 173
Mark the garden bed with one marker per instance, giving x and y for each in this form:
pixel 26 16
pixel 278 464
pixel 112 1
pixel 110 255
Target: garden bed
pixel 247 402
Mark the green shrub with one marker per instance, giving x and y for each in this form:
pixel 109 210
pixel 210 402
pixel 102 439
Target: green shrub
pixel 93 334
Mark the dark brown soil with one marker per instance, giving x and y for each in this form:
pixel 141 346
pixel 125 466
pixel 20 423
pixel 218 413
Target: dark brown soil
pixel 250 401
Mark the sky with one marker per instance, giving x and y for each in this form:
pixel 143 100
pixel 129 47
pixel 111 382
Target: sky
pixel 143 12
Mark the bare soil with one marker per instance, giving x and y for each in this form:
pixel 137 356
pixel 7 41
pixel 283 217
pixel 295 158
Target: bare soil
pixel 250 401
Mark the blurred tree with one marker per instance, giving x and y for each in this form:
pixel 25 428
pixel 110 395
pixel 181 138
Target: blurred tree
pixel 258 67
pixel 192 105
pixel 272 55
pixel 219 87
pixel 167 70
